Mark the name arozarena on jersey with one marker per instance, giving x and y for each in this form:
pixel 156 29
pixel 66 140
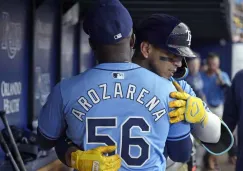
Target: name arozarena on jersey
pixel 130 94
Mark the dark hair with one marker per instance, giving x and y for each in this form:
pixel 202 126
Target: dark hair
pixel 212 55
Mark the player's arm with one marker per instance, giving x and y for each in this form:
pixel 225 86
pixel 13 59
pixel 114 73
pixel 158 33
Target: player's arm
pixel 203 133
pixel 51 123
pixel 193 111
pixel 204 122
pixel 64 148
pixel 184 147
pixel 179 140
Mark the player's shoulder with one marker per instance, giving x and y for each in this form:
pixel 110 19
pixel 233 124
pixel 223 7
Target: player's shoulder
pixel 182 83
pixel 73 81
pixel 239 75
pixel 186 87
pixel 237 80
pixel 156 84
pixel 148 72
pixel 150 76
pixel 69 82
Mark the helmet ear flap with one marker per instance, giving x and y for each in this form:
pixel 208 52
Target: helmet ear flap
pixel 182 71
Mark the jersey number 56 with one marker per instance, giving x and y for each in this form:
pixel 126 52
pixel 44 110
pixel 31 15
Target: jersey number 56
pixel 126 139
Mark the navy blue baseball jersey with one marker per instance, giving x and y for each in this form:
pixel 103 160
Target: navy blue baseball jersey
pixel 118 104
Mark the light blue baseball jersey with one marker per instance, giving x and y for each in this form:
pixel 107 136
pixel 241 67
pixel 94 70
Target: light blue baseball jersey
pixel 118 104
pixel 186 87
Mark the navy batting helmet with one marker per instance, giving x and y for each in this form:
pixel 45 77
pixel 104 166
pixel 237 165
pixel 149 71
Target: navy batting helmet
pixel 167 32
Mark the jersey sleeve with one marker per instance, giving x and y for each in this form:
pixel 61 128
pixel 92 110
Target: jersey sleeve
pixel 179 131
pixel 51 121
pixel 187 88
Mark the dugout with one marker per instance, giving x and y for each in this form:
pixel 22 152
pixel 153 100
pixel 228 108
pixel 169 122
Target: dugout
pixel 42 42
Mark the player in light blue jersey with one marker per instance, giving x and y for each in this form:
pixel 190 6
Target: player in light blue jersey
pixel 117 103
pixel 169 39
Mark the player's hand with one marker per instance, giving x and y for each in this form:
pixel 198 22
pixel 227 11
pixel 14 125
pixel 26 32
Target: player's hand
pixel 188 107
pixel 95 159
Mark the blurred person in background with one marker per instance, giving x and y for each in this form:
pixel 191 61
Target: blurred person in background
pixel 194 78
pixel 215 83
pixel 203 65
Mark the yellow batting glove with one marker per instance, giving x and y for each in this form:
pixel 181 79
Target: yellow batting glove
pixel 95 159
pixel 188 107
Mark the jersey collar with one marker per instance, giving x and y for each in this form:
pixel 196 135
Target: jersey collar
pixel 118 66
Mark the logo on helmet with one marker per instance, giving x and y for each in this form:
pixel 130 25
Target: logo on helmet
pixel 189 37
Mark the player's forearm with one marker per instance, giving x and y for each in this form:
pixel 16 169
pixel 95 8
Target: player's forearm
pixel 204 133
pixel 68 155
pixel 184 146
pixel 64 148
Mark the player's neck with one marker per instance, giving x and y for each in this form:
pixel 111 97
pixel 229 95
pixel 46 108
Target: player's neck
pixel 114 57
pixel 114 61
pixel 141 62
pixel 117 53
pixel 110 59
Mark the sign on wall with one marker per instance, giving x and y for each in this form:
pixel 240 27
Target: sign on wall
pixel 14 61
pixel 14 57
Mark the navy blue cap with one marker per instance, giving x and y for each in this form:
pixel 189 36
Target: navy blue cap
pixel 108 22
pixel 166 32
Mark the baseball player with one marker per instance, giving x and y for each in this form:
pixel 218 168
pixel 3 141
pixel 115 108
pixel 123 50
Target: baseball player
pixel 169 39
pixel 117 107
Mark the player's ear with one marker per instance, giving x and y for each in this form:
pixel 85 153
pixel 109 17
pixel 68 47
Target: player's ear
pixel 144 47
pixel 132 40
